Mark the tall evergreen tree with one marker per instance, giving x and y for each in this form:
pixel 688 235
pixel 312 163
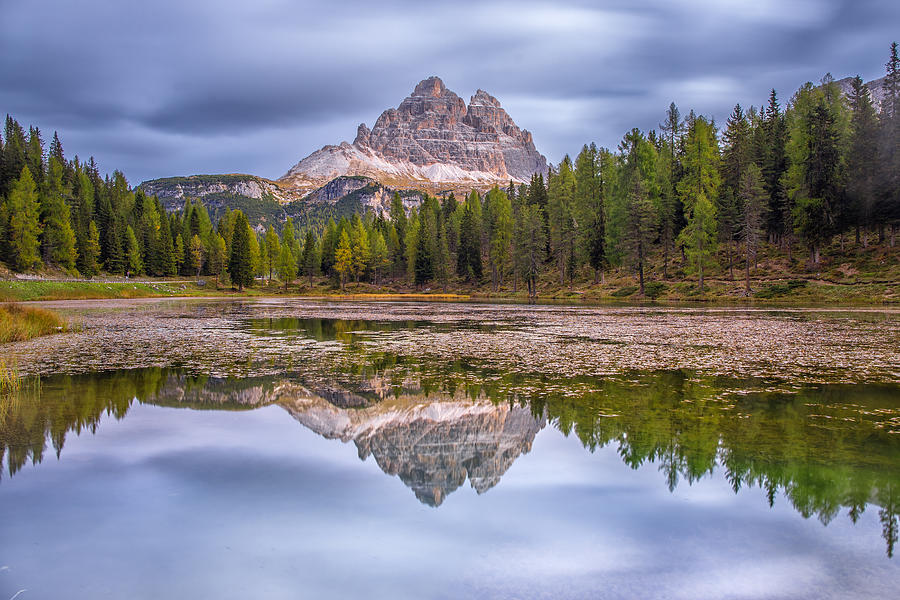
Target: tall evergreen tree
pixel 561 218
pixel 240 261
pixel 589 208
pixel 862 159
pixel 698 189
pixel 754 206
pixel 24 227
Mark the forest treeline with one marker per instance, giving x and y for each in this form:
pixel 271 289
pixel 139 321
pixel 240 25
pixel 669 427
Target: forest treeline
pixel 823 170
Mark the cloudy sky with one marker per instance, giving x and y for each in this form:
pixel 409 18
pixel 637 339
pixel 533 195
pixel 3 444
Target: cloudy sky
pixel 175 87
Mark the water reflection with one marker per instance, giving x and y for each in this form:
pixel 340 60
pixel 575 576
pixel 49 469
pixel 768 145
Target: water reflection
pixel 826 448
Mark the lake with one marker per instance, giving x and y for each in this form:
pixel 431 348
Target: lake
pixel 309 449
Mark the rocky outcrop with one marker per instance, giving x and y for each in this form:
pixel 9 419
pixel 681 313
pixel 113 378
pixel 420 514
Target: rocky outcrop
pixel 877 90
pixel 434 140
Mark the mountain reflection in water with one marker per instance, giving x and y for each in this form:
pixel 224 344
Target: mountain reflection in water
pixel 825 448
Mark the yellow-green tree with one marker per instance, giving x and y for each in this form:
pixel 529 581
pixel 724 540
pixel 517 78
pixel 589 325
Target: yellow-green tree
pixel 698 189
pixel 24 228
pixel 343 258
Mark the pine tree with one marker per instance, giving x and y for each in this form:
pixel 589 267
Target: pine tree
pixel 468 261
pixel 862 158
pixel 589 208
pixel 640 225
pixel 531 247
pixel 240 260
pixel 13 155
pixel 380 256
pixel 887 209
pixel 216 256
pixel 773 162
pixel 24 227
pixel 59 237
pixel 754 209
pixel 561 219
pixel 311 260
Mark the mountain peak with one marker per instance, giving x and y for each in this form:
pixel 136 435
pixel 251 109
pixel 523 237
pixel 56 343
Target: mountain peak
pixel 433 141
pixel 432 87
pixel 481 97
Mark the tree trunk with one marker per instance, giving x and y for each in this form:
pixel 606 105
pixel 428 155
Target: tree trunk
pixel 665 258
pixel 730 260
pixel 641 266
pixel 747 272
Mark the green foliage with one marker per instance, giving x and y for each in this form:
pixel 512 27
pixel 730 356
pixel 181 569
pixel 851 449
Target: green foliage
pixel 697 191
pixel 343 257
pixel 623 292
pixel 23 228
pixel 134 263
pixel 655 289
pixel 780 289
pixel 240 261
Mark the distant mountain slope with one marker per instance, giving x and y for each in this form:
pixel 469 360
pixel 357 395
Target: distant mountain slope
pixel 266 203
pixel 876 89
pixel 433 140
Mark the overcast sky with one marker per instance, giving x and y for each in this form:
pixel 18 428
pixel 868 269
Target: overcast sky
pixel 177 87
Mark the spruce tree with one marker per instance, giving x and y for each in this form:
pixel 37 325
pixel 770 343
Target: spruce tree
pixel 862 158
pixel 754 209
pixel 311 259
pixel 240 261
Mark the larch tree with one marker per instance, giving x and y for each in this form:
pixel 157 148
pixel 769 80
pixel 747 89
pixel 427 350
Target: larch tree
pixel 24 227
pixel 343 258
pixel 697 190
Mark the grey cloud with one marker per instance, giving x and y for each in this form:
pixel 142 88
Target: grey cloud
pixel 178 78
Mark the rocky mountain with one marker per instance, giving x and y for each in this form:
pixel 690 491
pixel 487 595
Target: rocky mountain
pixel 433 444
pixel 876 89
pixel 174 190
pixel 432 140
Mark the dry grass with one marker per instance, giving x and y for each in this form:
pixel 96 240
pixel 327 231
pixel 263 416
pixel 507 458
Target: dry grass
pixel 19 323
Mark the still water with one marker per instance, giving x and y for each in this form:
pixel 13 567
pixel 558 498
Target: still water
pixel 296 449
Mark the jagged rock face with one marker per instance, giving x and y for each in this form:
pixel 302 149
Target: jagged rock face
pixel 431 138
pixel 432 444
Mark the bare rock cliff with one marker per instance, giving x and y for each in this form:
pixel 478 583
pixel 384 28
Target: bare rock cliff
pixel 432 139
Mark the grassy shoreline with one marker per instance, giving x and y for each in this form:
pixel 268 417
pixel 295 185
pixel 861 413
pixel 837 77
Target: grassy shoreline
pixel 775 291
pixel 19 323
